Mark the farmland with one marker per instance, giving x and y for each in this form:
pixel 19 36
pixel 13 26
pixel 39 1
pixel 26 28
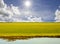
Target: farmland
pixel 29 28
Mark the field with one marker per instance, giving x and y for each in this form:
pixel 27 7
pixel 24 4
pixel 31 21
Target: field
pixel 29 29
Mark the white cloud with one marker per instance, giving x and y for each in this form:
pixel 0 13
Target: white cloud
pixel 2 5
pixel 35 19
pixel 15 10
pixel 29 19
pixel 11 14
pixel 57 13
pixel 8 11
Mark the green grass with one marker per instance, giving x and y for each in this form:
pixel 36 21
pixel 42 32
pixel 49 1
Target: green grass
pixel 30 28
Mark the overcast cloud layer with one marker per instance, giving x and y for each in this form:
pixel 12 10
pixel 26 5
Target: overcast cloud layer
pixel 13 14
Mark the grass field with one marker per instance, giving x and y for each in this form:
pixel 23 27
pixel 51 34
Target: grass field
pixel 29 28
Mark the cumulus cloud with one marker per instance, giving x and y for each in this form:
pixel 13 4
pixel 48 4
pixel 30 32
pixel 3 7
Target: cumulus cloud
pixel 35 19
pixel 7 12
pixel 11 14
pixel 15 10
pixel 57 14
pixel 2 5
pixel 28 19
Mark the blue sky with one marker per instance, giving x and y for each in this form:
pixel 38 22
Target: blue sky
pixel 39 8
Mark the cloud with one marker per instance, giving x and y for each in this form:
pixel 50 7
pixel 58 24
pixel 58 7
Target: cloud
pixel 15 10
pixel 6 12
pixel 28 19
pixel 57 14
pixel 13 14
pixel 35 19
pixel 2 5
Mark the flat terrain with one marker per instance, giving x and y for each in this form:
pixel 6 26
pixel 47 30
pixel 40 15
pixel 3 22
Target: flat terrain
pixel 29 29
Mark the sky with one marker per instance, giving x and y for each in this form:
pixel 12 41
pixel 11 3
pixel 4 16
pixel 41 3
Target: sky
pixel 30 11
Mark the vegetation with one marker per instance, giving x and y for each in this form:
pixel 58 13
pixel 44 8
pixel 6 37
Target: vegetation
pixel 29 28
